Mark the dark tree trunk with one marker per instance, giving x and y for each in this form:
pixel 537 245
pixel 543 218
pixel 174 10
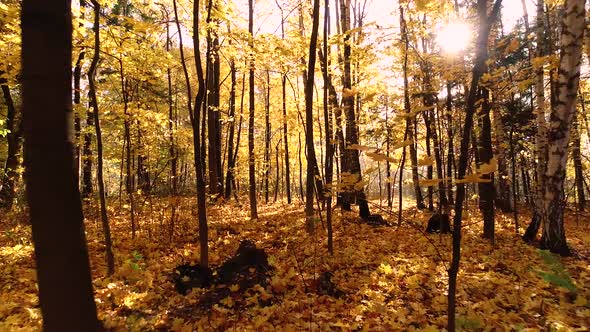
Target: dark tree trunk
pixel 77 120
pixel 401 182
pixel 485 154
pixel 197 148
pixel 578 166
pixel 129 183
pixel 485 24
pixel 236 187
pixel 541 132
pixel 63 271
pixel 514 182
pixel 429 169
pixel 143 173
pixel 451 148
pixel 9 174
pixel 389 180
pixel 251 159
pixel 284 108
pixel 351 156
pixel 194 115
pixel 231 161
pixel 299 150
pixel 172 149
pixel 213 118
pixel 277 172
pixel 312 167
pixel 267 137
pixel 430 122
pixel 330 100
pixel 285 140
pixel 525 183
pixel 87 188
pixel 110 258
pixel 410 119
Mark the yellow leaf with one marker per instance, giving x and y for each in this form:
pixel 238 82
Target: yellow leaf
pixel 428 182
pixel 580 301
pixel 359 147
pixel 376 156
pixel 426 161
pixel 386 269
pixel 401 144
pixel 472 178
pixel 513 46
pixel 234 288
pixel 488 168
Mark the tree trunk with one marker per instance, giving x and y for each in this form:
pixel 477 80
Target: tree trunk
pixel 410 120
pixel 299 150
pixel 213 118
pixel 485 24
pixel 87 189
pixel 503 185
pixel 429 96
pixel 284 108
pixel 401 182
pixel 61 256
pixel 541 134
pixel 267 137
pixel 429 169
pixel 172 150
pixel 277 172
pixel 329 100
pixel 77 120
pixel 198 160
pixel 9 174
pixel 578 165
pixel 129 177
pixel 389 180
pixel 143 173
pixel 350 161
pixel 312 167
pixel 514 181
pixel 560 126
pixel 451 147
pixel 485 154
pixel 110 258
pixel 251 159
pixel 231 161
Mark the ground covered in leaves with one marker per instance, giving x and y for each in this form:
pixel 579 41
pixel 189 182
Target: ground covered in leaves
pixel 384 278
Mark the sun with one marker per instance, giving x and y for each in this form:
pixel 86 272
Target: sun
pixel 453 37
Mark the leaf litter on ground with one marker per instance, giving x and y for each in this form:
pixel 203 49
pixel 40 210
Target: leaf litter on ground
pixel 386 278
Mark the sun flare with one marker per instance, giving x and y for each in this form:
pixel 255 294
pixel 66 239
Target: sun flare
pixel 453 37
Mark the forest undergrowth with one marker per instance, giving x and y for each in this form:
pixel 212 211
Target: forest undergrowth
pixel 388 278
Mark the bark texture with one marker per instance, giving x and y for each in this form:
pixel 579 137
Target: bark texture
pixel 559 129
pixel 61 255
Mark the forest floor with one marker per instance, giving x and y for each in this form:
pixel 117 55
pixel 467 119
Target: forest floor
pixel 391 278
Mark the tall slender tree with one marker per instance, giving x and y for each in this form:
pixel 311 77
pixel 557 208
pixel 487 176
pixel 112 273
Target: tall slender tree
pixel 541 133
pixel 251 160
pixel 9 175
pixel 351 159
pixel 195 121
pixel 485 24
pixel 110 258
pixel 312 168
pixel 213 115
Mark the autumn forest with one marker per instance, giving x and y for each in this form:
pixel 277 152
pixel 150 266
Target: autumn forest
pixel 318 165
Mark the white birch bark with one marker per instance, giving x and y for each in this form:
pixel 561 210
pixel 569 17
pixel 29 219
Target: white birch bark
pixel 560 122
